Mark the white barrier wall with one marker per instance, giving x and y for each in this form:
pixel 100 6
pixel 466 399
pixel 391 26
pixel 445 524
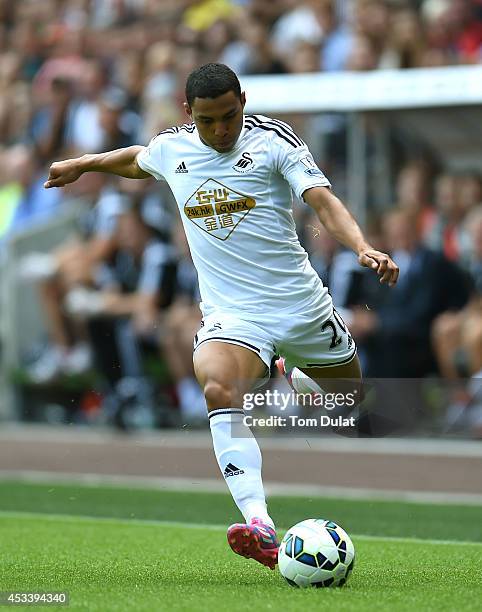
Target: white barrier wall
pixel 21 317
pixel 364 91
pixel 439 107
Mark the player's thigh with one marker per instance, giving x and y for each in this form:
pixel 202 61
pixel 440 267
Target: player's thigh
pixel 226 362
pixel 332 376
pixel 226 369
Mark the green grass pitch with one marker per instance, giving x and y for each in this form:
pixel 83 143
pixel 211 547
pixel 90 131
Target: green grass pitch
pixel 115 548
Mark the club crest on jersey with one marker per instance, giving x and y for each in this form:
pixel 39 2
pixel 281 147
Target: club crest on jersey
pixel 217 209
pixel 310 166
pixel 244 164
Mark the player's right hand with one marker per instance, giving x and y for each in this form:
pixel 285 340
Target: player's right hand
pixel 62 173
pixel 384 265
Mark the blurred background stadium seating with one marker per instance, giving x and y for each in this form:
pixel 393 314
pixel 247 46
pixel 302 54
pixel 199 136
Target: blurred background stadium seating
pixel 97 290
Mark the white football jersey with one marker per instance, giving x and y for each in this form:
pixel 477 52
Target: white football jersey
pixel 236 208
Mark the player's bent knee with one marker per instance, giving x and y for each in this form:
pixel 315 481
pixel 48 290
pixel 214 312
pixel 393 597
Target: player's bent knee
pixel 218 395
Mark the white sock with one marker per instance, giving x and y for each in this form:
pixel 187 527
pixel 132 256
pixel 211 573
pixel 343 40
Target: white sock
pixel 239 459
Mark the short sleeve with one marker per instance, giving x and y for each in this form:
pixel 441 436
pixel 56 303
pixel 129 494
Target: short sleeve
pixel 298 167
pixel 150 158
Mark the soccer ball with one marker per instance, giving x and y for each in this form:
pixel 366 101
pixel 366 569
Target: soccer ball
pixel 316 553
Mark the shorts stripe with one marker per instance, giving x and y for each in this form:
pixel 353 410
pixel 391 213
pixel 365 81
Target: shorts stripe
pixel 327 365
pixel 233 340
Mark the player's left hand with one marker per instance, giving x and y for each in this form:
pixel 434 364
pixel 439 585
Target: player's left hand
pixel 386 268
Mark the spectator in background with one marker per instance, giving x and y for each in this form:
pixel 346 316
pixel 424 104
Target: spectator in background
pixel 77 264
pixel 406 45
pixel 469 43
pixel 304 58
pixel 139 282
pixel 26 40
pixel 202 14
pixel 371 22
pixel 84 110
pixel 159 98
pixel 120 126
pixel 215 39
pixel 470 199
pixel 252 53
pixel 470 192
pixel 457 342
pixel 160 79
pixel 457 336
pixel 49 122
pixel 300 25
pixel 413 194
pixel 337 38
pixel 129 76
pixel 72 265
pixel 179 325
pixel 266 11
pixel 15 102
pixel 395 335
pixel 123 315
pixel 26 202
pixel 362 55
pixel 453 30
pixel 104 111
pixel 446 231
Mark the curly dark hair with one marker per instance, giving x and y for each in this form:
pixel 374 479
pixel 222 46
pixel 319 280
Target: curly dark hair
pixel 211 81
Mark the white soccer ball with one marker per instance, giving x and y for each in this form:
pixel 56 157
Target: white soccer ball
pixel 316 553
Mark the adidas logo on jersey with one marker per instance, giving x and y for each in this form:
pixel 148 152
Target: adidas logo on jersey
pixel 244 164
pixel 232 470
pixel 181 169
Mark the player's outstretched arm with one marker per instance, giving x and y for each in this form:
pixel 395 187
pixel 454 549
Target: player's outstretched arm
pixel 121 162
pixel 342 226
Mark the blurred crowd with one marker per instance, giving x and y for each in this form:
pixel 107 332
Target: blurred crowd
pixel 120 65
pixel 83 76
pixel 430 323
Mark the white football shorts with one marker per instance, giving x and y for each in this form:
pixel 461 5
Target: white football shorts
pixel 305 340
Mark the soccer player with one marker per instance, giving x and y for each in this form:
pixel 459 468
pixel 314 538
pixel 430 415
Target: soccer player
pixel 232 175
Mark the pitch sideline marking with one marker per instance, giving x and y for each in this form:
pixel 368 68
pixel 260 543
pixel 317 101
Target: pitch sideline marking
pixel 211 527
pixel 211 485
pixel 78 434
